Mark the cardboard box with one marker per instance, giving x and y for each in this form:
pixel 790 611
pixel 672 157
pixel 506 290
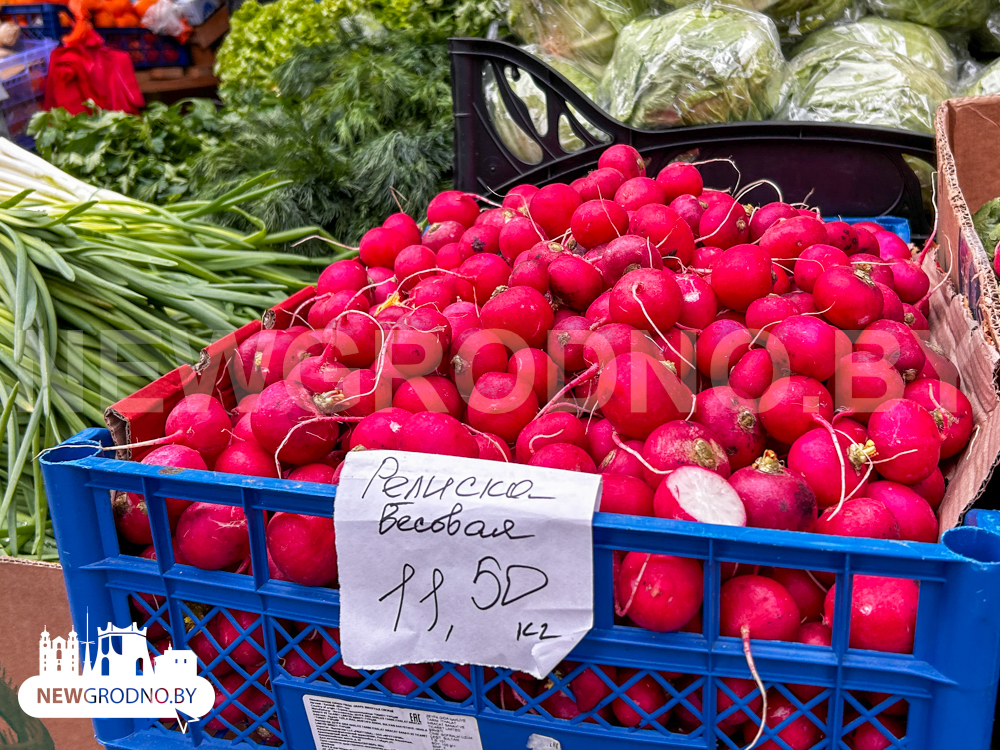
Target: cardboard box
pixel 34 600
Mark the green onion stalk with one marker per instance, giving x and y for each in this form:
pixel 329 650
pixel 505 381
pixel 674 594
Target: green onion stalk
pixel 99 295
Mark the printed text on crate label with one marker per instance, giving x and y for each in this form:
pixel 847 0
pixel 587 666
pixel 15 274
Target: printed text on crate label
pixel 346 725
pixel 464 561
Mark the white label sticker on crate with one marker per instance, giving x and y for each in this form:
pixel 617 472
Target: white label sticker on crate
pixel 346 725
pixel 464 561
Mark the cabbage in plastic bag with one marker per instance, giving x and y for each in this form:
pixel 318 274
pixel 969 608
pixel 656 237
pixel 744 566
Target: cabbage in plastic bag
pixel 794 18
pixel 920 44
pixel 860 83
pixel 520 143
pixel 941 14
pixel 987 82
pixel 582 31
pixel 987 225
pixel 706 63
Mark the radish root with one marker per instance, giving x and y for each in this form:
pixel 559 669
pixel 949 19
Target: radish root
pixel 745 633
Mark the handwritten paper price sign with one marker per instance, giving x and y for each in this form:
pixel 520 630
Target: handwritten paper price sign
pixel 461 560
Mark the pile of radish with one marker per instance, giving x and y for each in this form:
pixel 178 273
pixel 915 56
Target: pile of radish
pixel 715 362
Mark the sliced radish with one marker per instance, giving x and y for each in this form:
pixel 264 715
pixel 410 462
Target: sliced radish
pixel 692 493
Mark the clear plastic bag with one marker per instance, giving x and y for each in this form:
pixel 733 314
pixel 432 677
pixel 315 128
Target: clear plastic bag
pixel 940 14
pixel 705 63
pixel 165 17
pixel 519 142
pixel 987 82
pixel 860 83
pixel 794 18
pixel 581 31
pixel 921 44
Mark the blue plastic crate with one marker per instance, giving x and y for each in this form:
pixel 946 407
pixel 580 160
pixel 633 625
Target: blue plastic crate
pixel 26 87
pixel 895 224
pixel 949 682
pixel 37 21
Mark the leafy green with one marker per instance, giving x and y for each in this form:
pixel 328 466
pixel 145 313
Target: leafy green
pixel 355 122
pixel 940 14
pixel 987 223
pixel 145 156
pixel 987 82
pixel 706 63
pixel 794 18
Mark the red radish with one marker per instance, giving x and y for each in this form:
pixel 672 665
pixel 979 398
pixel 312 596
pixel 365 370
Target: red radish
pixel 741 275
pixel 690 209
pixel 638 192
pixel 326 310
pixel 552 208
pixel 481 238
pixel 892 307
pixel 659 592
pixel 768 215
pixel 303 548
pixel 896 343
pixel 869 737
pixel 441 434
pixel 909 281
pixel 723 702
pixel 705 257
pixel 492 448
pixel 414 263
pixel 246 458
pixel 720 346
pixel 712 197
pixel 317 473
pixel 380 246
pixel 842 235
pixel 891 246
pixel 521 311
pixel 732 420
pixel 452 205
pixel 596 222
pixel 502 404
pixel 331 650
pixel 804 301
pixel 624 461
pixel 699 306
pixel 667 232
pixel 860 517
pixel 437 292
pixel 198 641
pixel 775 497
pixel 518 197
pixel 931 489
pixel 304 659
pixel 405 225
pixel 474 353
pixel 132 518
pixel 677 350
pixel 354 340
pixel 916 519
pixel 951 410
pixel 680 178
pixel 866 240
pixel 517 236
pixel 199 422
pixel 340 275
pixel 531 273
pixel 805 345
pixel 601 184
pixel 799 734
pixel 766 312
pixel 244 407
pixel 537 369
pixel 907 440
pixel 691 493
pixel 812 634
pixel 883 613
pixel 590 688
pixel 752 374
pixel 557 427
pixel 625 159
pixel 384 284
pixel 608 341
pixel 600 440
pixel 416 345
pixel 451 685
pixel 575 281
pixel 437 236
pixel 831 477
pixel 486 273
pixel 761 605
pixel 361 394
pixel 637 393
pixel 398 682
pixel 814 260
pixel 937 366
pixel 647 694
pixel 213 537
pixel 462 316
pixel 863 381
pixel 599 311
pixel 625 494
pixel 543 251
pixel 724 226
pixel 430 393
pixel 789 404
pixel 178 457
pixel 804 589
pixel 628 253
pixel 848 297
pixel 279 424
pixel 785 240
pixel 782 281
pixel 681 443
pixel 647 299
pixel 564 456
pixel 232 714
